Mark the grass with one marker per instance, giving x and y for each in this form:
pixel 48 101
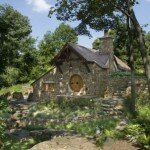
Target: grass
pixel 81 115
pixel 66 112
pixel 16 88
pixel 14 144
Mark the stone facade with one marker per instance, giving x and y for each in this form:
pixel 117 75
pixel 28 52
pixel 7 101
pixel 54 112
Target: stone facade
pixel 93 81
pixel 79 72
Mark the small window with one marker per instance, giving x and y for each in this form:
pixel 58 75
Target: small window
pixel 48 87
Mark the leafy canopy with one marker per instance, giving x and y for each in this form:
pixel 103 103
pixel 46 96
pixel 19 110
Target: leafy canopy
pixel 17 48
pixel 14 27
pixel 96 14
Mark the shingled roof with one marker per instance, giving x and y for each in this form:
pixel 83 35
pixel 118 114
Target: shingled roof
pixel 92 55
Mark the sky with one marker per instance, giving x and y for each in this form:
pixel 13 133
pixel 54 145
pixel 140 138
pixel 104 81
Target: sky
pixel 37 12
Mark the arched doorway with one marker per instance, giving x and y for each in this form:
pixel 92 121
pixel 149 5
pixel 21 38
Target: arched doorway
pixel 76 83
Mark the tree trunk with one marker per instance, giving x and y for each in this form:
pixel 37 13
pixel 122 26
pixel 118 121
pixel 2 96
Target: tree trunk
pixel 131 63
pixel 142 47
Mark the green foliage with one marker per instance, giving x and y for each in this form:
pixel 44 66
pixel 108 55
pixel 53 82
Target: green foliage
pixel 120 36
pixel 14 144
pixel 3 111
pixel 15 27
pixel 72 114
pixel 18 53
pixel 96 44
pixel 143 118
pixel 81 115
pixel 136 134
pixel 138 131
pixel 16 88
pixel 53 42
pixel 147 42
pixel 28 60
pixel 144 112
pixel 98 15
pixel 11 76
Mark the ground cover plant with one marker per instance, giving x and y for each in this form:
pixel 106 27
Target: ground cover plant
pixel 138 130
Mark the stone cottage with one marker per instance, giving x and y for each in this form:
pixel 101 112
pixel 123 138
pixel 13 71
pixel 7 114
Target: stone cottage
pixel 79 72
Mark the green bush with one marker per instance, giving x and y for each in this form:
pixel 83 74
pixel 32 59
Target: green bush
pixel 14 144
pixel 3 111
pixel 139 129
pixel 136 134
pixel 10 77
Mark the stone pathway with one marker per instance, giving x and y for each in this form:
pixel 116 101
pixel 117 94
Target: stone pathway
pixel 18 114
pixel 64 140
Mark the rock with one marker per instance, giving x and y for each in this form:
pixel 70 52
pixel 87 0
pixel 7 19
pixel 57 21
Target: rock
pixel 18 133
pixel 119 107
pixel 108 142
pixel 30 97
pixel 122 124
pixel 7 96
pixel 66 143
pixel 128 91
pixel 18 96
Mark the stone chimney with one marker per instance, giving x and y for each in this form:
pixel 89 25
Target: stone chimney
pixel 106 43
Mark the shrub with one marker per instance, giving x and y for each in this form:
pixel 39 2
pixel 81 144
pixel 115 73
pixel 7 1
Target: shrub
pixel 136 134
pixel 10 77
pixel 3 110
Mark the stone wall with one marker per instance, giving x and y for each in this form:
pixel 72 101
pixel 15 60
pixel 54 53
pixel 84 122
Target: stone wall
pixel 120 87
pixel 113 107
pixel 117 90
pixel 93 80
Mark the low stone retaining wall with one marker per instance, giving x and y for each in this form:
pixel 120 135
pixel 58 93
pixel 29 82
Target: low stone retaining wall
pixel 113 107
pixel 120 87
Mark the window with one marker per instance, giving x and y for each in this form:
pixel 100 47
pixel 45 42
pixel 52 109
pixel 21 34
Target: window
pixel 48 87
pixel 76 82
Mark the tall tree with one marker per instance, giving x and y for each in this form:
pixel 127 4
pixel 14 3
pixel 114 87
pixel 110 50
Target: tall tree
pixel 53 42
pixel 100 15
pixel 17 48
pixel 28 59
pixel 14 27
pixel 147 42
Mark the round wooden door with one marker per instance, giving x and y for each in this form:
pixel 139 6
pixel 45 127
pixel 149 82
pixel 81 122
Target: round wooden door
pixel 76 82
